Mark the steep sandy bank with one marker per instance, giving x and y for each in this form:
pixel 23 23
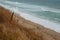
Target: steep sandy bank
pixel 20 29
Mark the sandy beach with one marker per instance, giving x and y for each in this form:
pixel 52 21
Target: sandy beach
pixel 21 29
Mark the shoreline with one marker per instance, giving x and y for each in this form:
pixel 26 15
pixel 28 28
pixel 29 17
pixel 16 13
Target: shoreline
pixel 33 30
pixel 26 19
pixel 46 23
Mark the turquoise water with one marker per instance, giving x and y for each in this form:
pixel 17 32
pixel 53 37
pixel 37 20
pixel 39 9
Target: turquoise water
pixel 46 9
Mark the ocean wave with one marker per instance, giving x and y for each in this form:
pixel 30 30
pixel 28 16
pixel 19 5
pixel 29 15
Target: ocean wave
pixel 32 8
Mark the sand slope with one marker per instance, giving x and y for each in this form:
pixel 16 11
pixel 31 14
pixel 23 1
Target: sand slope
pixel 20 29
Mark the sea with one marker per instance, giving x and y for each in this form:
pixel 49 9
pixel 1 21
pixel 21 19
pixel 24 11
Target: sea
pixel 43 12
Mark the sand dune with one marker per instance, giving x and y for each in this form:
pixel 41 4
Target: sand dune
pixel 21 29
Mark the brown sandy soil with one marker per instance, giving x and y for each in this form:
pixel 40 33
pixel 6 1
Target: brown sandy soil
pixel 20 29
